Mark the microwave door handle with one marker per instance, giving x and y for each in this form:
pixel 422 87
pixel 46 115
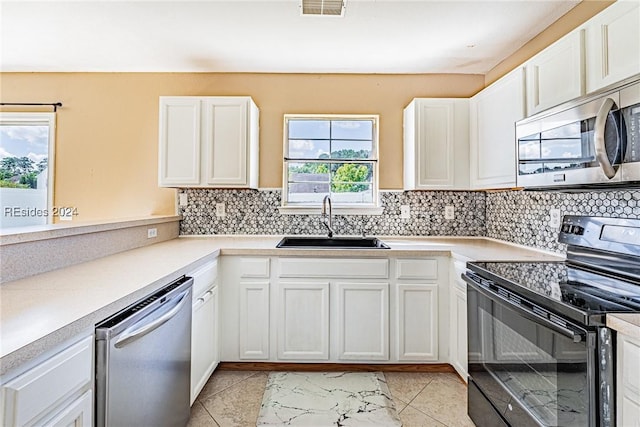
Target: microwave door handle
pixel 601 150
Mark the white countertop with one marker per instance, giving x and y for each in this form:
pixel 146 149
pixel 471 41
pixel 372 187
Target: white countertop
pixel 40 311
pixel 625 323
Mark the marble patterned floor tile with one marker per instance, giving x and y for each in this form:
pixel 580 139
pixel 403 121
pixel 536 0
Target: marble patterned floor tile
pixel 200 417
pixel 411 417
pixel 322 399
pixel 406 385
pixel 221 380
pixel 239 404
pixel 444 399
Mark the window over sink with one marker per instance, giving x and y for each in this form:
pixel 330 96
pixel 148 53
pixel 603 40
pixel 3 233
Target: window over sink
pixel 334 155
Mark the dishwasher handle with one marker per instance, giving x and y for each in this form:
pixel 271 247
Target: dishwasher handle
pixel 142 328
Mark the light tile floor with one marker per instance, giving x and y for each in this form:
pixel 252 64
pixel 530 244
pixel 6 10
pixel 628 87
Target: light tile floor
pixel 233 398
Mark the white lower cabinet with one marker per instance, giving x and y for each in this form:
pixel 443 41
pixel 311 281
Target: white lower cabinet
pixel 205 347
pixel 363 321
pixel 55 392
pixel 417 320
pixel 354 310
pixel 458 320
pixel 254 320
pixel 628 381
pixel 303 320
pixel 77 414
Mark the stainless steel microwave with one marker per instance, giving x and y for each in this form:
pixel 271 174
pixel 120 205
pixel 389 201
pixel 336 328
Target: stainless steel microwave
pixel 589 142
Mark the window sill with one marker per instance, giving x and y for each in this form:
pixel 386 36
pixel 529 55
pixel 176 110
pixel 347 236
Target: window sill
pixel 336 210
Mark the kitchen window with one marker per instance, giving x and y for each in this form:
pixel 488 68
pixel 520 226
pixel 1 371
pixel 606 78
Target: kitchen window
pixel 334 155
pixel 26 169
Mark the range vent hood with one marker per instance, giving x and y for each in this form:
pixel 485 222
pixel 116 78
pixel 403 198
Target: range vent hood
pixel 322 7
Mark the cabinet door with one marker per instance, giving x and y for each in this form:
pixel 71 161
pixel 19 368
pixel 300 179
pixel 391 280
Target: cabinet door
pixel 77 414
pixel 225 141
pixel 363 321
pixel 459 329
pixel 493 113
pixel 417 311
pixel 303 320
pixel 613 45
pixel 33 394
pixel 179 141
pixel 556 74
pixel 254 320
pixel 204 340
pixel 628 381
pixel 436 144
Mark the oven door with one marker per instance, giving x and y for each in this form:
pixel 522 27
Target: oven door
pixel 533 372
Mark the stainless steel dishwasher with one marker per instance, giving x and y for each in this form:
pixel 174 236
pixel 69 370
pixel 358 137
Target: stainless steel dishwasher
pixel 143 361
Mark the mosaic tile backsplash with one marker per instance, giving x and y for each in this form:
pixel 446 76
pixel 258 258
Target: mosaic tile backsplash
pixel 256 212
pixel 514 216
pixel 522 217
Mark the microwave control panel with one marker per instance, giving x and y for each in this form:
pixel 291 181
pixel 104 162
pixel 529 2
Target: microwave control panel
pixel 632 121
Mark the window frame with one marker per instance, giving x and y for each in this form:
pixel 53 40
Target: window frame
pixel 34 119
pixel 372 208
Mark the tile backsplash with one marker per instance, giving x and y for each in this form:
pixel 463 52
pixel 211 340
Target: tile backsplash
pixel 256 212
pixel 522 216
pixel 516 216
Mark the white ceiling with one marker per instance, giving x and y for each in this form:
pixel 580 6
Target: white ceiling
pixel 374 36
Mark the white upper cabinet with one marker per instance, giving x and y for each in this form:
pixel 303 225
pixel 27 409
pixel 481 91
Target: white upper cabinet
pixel 179 148
pixel 208 142
pixel 613 44
pixel 436 144
pixel 556 74
pixel 493 113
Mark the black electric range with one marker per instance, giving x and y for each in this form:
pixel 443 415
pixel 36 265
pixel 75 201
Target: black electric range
pixel 580 294
pixel 540 353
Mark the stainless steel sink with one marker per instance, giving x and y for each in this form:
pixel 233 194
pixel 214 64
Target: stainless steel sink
pixel 332 242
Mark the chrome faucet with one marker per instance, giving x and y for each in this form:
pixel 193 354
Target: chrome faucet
pixel 329 225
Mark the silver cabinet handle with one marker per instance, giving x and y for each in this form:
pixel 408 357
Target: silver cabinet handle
pixel 136 331
pixel 601 150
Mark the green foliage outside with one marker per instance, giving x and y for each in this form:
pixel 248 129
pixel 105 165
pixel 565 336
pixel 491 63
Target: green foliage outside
pixel 345 177
pixel 316 168
pixel 20 172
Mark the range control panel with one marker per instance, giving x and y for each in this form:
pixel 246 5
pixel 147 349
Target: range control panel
pixel 618 235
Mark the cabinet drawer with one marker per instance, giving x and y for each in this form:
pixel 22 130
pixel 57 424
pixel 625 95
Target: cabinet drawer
pixel 417 269
pixel 28 395
pixel 254 267
pixel 330 267
pixel 204 277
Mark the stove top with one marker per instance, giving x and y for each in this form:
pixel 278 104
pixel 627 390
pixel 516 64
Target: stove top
pixel 583 295
pixel 601 274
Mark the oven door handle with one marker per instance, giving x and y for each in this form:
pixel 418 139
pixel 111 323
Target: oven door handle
pixel 575 336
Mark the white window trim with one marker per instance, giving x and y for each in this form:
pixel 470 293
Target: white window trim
pixel 49 119
pixel 309 209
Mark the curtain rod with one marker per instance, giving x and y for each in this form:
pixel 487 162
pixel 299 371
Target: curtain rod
pixel 55 105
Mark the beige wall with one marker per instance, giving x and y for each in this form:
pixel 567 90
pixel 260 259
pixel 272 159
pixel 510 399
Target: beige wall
pixel 107 129
pixel 106 152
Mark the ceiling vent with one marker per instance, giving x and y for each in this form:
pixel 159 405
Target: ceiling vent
pixel 322 7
